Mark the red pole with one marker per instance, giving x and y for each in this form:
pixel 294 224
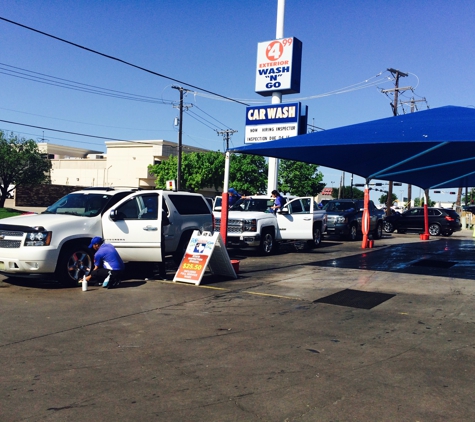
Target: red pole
pixel 365 219
pixel 223 229
pixel 426 219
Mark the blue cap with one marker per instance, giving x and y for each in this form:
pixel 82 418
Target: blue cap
pixel 233 191
pixel 95 241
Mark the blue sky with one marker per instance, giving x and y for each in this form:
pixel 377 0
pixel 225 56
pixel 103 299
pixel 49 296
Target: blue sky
pixel 213 45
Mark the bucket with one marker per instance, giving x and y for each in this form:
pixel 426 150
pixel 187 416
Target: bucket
pixel 235 264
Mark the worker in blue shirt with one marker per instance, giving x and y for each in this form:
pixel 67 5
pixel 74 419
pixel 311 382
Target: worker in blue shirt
pixel 233 197
pixel 106 259
pixel 279 201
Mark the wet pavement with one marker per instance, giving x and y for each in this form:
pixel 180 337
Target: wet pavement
pixel 333 334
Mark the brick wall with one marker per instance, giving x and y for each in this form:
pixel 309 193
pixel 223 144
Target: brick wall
pixel 41 195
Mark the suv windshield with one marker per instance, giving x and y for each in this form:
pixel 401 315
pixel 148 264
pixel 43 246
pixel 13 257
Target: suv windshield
pixel 339 206
pixel 261 204
pixel 81 204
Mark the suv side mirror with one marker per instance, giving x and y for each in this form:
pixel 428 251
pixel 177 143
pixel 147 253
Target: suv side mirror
pixel 114 215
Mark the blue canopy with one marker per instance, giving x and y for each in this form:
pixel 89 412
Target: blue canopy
pixel 430 149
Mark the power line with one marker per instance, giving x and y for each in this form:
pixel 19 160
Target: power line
pixel 77 86
pixel 76 121
pixel 117 59
pixel 83 134
pixel 200 119
pixel 209 115
pixel 64 131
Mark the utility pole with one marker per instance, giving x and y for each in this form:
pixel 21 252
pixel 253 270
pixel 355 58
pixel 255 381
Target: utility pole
pixel 412 102
pixel 226 135
pixel 180 136
pixel 396 74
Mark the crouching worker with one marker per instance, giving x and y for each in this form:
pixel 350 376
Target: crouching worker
pixel 106 259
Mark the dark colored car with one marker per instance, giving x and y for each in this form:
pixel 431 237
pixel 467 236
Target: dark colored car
pixel 441 221
pixel 344 218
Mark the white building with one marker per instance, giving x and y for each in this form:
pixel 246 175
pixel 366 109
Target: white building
pixel 125 163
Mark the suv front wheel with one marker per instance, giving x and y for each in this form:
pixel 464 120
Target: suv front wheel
pixel 353 235
pixel 267 245
pixel 74 262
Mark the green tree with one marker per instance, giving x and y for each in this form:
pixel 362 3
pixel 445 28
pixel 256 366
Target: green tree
pixel 248 173
pixel 21 164
pixel 469 198
pixel 300 179
pixel 199 170
pixel 383 198
pixel 347 192
pixel 418 202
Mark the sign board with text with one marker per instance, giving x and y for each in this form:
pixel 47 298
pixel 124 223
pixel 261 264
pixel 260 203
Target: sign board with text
pixel 204 251
pixel 279 64
pixel 272 122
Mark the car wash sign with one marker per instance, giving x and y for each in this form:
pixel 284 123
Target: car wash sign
pixel 279 65
pixel 272 122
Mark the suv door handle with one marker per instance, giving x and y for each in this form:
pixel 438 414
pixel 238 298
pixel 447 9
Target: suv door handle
pixel 150 228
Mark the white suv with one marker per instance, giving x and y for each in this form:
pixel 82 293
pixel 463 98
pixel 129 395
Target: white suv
pixel 56 241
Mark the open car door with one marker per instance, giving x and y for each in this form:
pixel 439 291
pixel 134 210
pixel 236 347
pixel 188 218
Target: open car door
pixel 134 227
pixel 295 221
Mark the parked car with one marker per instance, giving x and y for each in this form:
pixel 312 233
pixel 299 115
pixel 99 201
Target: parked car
pixel 252 224
pixel 441 221
pixel 55 242
pixel 344 218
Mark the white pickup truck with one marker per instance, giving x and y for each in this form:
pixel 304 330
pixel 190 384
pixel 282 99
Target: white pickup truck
pixel 251 223
pixel 56 241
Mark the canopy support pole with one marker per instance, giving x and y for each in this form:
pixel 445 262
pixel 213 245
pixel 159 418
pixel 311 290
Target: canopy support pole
pixel 426 235
pixel 365 220
pixel 225 199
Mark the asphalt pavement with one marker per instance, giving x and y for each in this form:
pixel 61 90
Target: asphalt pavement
pixel 332 334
